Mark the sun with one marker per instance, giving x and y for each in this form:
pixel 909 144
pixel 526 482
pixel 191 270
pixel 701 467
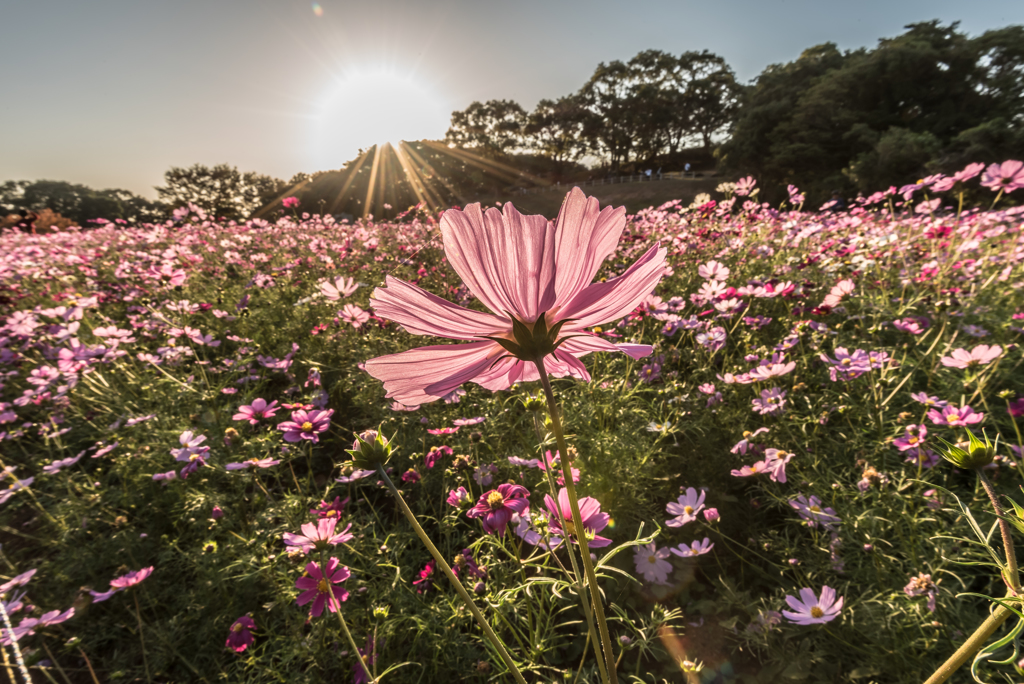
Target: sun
pixel 373 107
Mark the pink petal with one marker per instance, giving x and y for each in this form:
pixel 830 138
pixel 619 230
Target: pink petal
pixel 425 374
pixel 422 313
pixel 603 302
pixel 586 343
pixel 507 261
pixel 585 236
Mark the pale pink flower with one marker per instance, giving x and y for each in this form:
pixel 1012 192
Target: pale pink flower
pixel 525 269
pixel 979 356
pixel 1008 176
pixel 697 548
pixel 318 535
pixel 338 287
pixel 838 291
pixel 354 316
pixel 955 417
pixel 651 564
pixel 590 515
pixel 811 610
pixel 259 408
pixel 713 270
pixel 686 508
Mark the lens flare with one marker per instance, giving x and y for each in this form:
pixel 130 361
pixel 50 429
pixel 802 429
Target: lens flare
pixel 317 9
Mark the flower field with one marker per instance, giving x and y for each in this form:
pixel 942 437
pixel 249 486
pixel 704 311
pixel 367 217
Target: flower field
pixel 225 444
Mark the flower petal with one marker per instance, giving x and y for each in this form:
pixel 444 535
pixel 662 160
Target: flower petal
pixel 423 313
pixel 585 236
pixel 586 343
pixel 507 261
pixel 425 374
pixel 608 301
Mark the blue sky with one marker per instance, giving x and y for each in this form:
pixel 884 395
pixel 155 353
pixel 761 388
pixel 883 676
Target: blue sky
pixel 112 93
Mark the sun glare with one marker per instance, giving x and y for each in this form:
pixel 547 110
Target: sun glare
pixel 373 108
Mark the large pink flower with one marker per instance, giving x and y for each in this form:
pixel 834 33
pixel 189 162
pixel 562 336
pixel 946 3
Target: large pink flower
pixel 535 276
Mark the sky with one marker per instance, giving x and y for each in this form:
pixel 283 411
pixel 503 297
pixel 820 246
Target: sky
pixel 112 93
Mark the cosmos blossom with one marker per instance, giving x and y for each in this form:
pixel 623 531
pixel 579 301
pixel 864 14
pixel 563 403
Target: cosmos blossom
pixel 979 356
pixel 535 276
pixel 811 610
pixel 591 516
pixel 496 507
pixel 318 587
pixel 240 635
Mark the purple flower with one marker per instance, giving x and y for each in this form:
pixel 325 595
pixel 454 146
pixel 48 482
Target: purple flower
pixel 694 549
pixel 775 461
pixel 317 586
pixel 771 403
pixel 744 445
pixel 810 509
pixel 713 339
pixel 318 536
pixel 686 508
pixel 497 507
pixel 348 478
pixel 484 475
pixel 306 425
pixel 259 408
pixel 18 581
pixel 55 466
pixel 811 610
pixel 650 562
pixel 923 398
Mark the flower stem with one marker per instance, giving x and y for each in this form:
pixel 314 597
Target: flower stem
pixel 138 615
pixel 577 521
pixel 352 642
pixel 439 559
pixel 973 644
pixel 1013 577
pixel 14 647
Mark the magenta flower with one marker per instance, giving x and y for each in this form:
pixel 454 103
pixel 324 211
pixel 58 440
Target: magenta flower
pixel 306 425
pixel 459 498
pixel 435 454
pixel 240 635
pixel 318 536
pixel 955 417
pixel 259 408
pixel 913 439
pixel 443 431
pixel 812 610
pixel 560 522
pixel 1005 177
pixel 290 202
pixel 330 510
pixel 979 356
pixel 497 507
pixel 426 580
pixel 535 276
pixel 318 587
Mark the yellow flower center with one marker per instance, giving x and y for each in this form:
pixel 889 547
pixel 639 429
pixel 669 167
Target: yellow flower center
pixel 688 510
pixel 652 560
pixel 237 627
pixel 307 426
pixel 815 509
pixel 569 527
pixel 495 500
pixel 953 417
pixel 323 586
pixel 816 612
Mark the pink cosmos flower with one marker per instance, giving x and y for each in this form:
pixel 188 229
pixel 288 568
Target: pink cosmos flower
pixel 554 462
pixel 306 425
pixel 535 276
pixel 979 356
pixel 443 431
pixel 318 536
pixel 1007 177
pixel 811 610
pixel 744 186
pixel 759 468
pixel 697 548
pixel 650 562
pixel 354 316
pixel 775 461
pixel 591 516
pixel 259 408
pixel 463 422
pixel 497 507
pixel 713 270
pixel 813 513
pixel 240 635
pixel 317 587
pixel 436 454
pixel 838 291
pixel 686 508
pixel 337 288
pixel 330 510
pixel 744 445
pixel 955 417
pixel 459 498
pixel 131 579
pixel 290 202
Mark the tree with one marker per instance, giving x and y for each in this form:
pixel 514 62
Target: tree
pixel 79 203
pixel 559 129
pixel 222 191
pixel 495 127
pixel 710 94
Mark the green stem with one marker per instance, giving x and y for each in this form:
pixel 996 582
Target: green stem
pixel 439 559
pixel 971 646
pixel 138 615
pixel 352 642
pixel 577 521
pixel 1012 576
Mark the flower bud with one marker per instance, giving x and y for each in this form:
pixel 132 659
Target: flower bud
pixel 977 455
pixel 371 449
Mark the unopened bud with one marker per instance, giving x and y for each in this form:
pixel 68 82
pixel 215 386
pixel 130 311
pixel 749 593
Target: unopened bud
pixel 371 449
